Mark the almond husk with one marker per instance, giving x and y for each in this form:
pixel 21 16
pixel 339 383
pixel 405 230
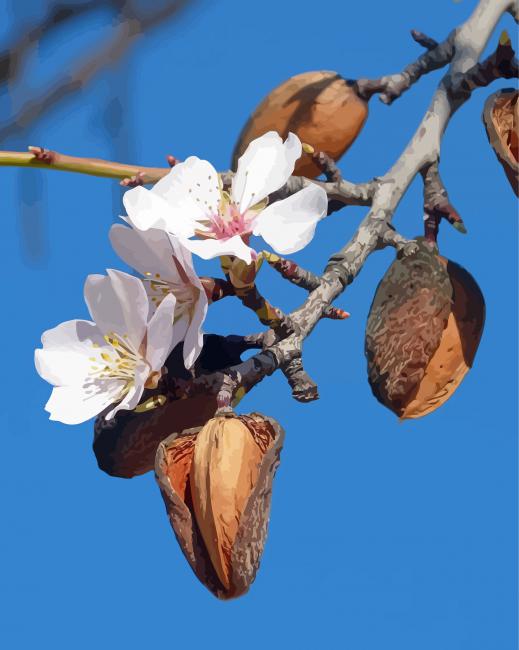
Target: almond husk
pixel 216 482
pixel 423 331
pixel 501 119
pixel 126 445
pixel 322 108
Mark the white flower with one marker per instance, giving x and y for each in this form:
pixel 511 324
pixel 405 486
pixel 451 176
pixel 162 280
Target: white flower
pixel 190 202
pixel 95 364
pixel 167 268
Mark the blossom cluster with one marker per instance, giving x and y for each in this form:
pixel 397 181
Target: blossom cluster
pixel 104 365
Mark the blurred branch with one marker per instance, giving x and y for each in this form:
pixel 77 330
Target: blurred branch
pixel 11 59
pixel 126 33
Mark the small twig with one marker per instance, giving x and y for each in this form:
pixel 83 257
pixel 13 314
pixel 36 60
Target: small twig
pixel 424 40
pixel 502 64
pixel 403 246
pixel 295 274
pixel 216 288
pixel 292 272
pixel 390 87
pixel 89 166
pixel 267 314
pixel 304 389
pixel 325 163
pixel 339 193
pixel 437 205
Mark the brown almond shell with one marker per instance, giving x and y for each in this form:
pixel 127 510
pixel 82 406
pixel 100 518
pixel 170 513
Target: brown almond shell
pixel 501 119
pixel 423 331
pixel 321 107
pixel 173 480
pixel 126 445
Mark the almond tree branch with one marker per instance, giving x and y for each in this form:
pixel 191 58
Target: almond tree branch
pixel 468 42
pixel 462 49
pixel 340 193
pixel 391 87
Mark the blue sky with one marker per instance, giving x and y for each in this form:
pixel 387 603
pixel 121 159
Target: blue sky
pixel 383 535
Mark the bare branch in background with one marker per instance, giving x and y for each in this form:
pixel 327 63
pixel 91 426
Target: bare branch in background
pixel 131 27
pixel 11 59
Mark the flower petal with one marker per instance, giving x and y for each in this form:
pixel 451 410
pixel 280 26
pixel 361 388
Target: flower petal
pixel 149 210
pixel 118 303
pixel 76 404
pixel 289 225
pixel 191 188
pixel 209 248
pixel 194 337
pixel 264 167
pixel 160 338
pixel 68 350
pixel 149 251
pixel 134 394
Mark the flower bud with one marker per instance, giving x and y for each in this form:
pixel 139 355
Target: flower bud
pixel 216 482
pixel 423 331
pixel 321 108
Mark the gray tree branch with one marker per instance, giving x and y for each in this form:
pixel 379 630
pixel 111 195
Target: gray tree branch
pixel 375 231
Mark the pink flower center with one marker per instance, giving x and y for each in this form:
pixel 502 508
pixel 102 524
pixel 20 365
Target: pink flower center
pixel 229 222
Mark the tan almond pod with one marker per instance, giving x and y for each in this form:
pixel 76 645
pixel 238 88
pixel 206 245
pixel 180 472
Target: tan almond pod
pixel 501 119
pixel 216 482
pixel 423 331
pixel 321 108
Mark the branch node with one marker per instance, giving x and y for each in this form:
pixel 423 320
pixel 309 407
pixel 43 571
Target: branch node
pixel 134 181
pixel 292 272
pixel 334 313
pixel 437 205
pixel 328 167
pixel 43 155
pixel 424 40
pixel 404 247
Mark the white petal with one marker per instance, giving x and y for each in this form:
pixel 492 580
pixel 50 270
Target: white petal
pixel 118 303
pixel 161 333
pixel 181 327
pixel 148 210
pixel 289 225
pixel 130 400
pixel 191 189
pixel 67 352
pixel 183 255
pixel 149 251
pixel 76 404
pixel 209 248
pixel 264 167
pixel 194 337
